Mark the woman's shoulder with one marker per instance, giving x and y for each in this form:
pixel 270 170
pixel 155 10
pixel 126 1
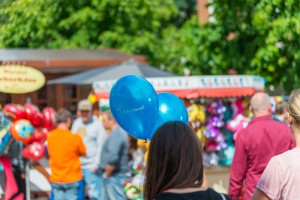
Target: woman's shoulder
pixel 208 194
pixel 216 195
pixel 286 159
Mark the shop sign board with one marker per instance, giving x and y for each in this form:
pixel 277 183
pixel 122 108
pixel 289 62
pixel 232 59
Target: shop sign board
pixel 19 79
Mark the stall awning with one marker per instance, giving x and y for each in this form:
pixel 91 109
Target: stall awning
pixel 196 86
pixel 111 73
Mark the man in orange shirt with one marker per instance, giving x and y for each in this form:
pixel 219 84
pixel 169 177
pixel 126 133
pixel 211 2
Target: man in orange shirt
pixel 65 149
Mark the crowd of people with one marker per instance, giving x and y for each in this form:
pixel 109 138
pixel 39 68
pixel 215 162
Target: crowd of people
pixel 90 159
pixel 264 167
pixel 90 156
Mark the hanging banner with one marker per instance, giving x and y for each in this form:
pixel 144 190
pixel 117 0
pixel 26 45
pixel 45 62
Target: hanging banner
pixel 18 79
pixel 196 86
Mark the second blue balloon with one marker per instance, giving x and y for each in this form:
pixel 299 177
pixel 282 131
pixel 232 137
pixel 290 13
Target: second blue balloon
pixel 171 108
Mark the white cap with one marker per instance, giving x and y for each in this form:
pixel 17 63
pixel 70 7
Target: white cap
pixel 84 105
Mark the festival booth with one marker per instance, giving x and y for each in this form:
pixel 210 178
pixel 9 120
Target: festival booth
pixel 216 104
pixel 23 125
pixel 216 107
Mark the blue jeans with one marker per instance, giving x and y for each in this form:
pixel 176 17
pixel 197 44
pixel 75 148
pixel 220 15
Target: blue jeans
pixel 62 191
pixel 112 188
pixel 93 181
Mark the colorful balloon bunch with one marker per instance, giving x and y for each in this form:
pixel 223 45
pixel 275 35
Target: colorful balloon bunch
pixel 197 113
pixel 237 107
pixel 139 110
pixel 236 124
pixel 215 139
pixel 216 107
pixel 30 126
pixel 238 120
pixel 216 121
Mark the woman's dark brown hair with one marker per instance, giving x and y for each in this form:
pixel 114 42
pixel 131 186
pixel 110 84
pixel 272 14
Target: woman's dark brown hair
pixel 174 160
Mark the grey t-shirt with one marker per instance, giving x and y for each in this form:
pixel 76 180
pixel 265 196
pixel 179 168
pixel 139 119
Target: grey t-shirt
pixel 115 151
pixel 93 135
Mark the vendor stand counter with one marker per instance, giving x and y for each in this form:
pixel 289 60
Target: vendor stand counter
pixel 218 176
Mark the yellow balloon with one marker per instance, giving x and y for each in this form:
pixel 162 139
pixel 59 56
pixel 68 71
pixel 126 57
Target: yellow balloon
pixel 92 98
pixel 201 114
pixel 199 134
pixel 143 144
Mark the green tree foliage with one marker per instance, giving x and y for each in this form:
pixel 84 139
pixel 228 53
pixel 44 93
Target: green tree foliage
pixel 193 46
pixel 266 39
pixel 186 9
pixel 257 37
pixel 130 25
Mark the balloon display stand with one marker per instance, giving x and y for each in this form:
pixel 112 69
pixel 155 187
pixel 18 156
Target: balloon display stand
pixel 29 127
pixel 39 185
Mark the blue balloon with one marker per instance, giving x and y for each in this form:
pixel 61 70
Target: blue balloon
pixel 171 108
pixel 134 105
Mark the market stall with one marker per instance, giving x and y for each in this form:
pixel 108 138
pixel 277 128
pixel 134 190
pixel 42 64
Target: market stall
pixel 216 106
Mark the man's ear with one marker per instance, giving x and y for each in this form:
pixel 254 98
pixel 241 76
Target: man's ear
pixel 69 122
pixel 270 108
pixel 251 109
pixel 290 120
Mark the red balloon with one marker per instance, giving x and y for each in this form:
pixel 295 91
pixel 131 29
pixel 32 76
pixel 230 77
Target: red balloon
pixel 39 135
pixel 34 151
pixel 33 114
pixel 13 111
pixel 49 118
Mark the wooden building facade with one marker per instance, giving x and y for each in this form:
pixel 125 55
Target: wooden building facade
pixel 55 64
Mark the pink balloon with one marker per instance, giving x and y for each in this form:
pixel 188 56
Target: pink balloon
pixel 237 123
pixel 237 107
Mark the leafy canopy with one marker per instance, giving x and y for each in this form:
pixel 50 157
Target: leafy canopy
pixel 258 37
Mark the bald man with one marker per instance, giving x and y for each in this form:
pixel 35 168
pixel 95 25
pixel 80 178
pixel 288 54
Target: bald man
pixel 262 139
